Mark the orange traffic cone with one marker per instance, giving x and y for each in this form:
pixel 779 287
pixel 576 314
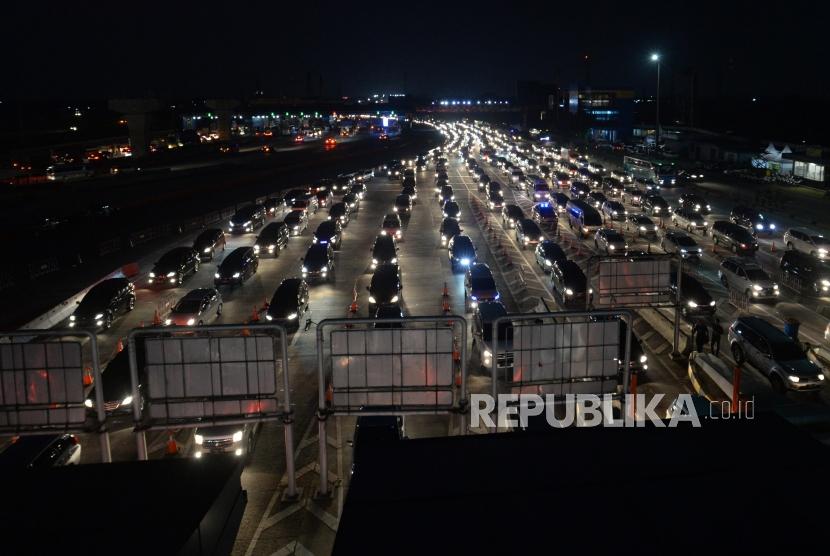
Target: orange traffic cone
pixel 772 248
pixel 353 307
pixel 156 318
pixel 445 304
pixel 88 376
pixel 172 446
pixel 119 347
pixel 246 332
pixel 446 292
pixel 255 315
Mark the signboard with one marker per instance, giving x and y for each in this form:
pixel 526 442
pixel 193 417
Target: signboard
pixel 400 367
pixel 41 386
pixel 634 282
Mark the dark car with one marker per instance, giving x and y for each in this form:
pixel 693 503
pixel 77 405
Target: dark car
pixel 596 199
pixel 805 272
pixel 324 197
pixel 561 201
pixel 695 202
pixel 174 266
pixel 340 211
pixel 410 191
pixel 384 251
pixel 752 220
pixel 196 308
pixel 208 242
pixel 511 214
pixel 329 232
pixel 445 193
pixel 449 229
pixel 385 287
pixel 247 219
pixel 391 225
pixel 352 201
pixel 612 186
pixel 374 433
pixel 655 205
pixel 102 303
pixel 461 252
pixel 694 299
pixel 568 282
pixel 272 239
pixel 318 262
pixel 117 389
pixel 293 195
pixel 297 222
pixel 642 226
pixel 451 210
pixel 238 266
pixel 579 190
pixel 359 189
pixel 548 252
pixel 41 452
pixel 479 285
pixel 392 311
pixel 493 187
pixel 483 180
pixel 528 233
pixel 544 213
pixel 403 204
pixel 495 201
pixel 733 237
pixel 680 243
pixel 289 303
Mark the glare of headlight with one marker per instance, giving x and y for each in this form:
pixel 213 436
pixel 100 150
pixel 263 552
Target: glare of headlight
pixel 191 322
pixel 199 439
pixel 371 299
pixel 127 401
pixel 237 436
pixel 236 274
pixel 88 402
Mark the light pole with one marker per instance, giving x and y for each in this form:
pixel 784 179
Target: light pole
pixel 656 58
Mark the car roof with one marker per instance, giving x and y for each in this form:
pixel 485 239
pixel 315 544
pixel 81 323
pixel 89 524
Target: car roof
pixel 318 248
pixel 770 332
pixel 198 294
pixel 462 239
pixel 290 284
pixel 480 270
pixel 327 226
pixel 491 310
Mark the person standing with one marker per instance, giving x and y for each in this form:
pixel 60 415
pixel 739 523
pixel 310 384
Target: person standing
pixel 701 336
pixel 714 340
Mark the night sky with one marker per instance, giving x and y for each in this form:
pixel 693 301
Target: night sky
pixel 81 49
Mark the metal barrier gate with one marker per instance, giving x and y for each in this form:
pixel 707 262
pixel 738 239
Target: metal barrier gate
pixel 42 385
pixel 389 367
pixel 632 281
pixel 563 352
pixel 211 375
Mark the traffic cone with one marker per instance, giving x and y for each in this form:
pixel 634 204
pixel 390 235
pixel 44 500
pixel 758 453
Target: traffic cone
pixel 353 307
pixel 246 332
pixel 772 248
pixel 255 315
pixel 329 394
pixel 446 292
pixel 265 304
pixel 88 379
pixel 119 347
pixel 172 446
pixel 445 304
pixel 156 318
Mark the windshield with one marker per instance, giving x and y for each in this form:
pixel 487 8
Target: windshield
pixel 592 219
pixel 505 332
pixel 316 257
pixel 756 274
pixel 820 240
pixel 187 306
pixel 390 222
pixel 685 241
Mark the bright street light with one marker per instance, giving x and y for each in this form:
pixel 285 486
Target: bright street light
pixel 655 57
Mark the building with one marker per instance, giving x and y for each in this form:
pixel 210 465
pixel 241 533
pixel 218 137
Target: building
pixel 812 165
pixel 603 114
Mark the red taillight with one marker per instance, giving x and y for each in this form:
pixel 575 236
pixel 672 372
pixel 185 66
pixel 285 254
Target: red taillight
pixel 73 439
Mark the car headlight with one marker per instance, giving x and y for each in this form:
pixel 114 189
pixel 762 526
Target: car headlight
pixel 199 439
pixel 374 261
pixel 465 262
pixel 216 275
pixel 611 247
pixel 236 274
pixel 99 316
pixel 171 274
pixel 643 359
pixel 820 376
pixel 88 402
pixel 642 228
pixel 487 354
pixel 127 401
pixel 756 287
pixel 72 317
pixel 191 322
pixel 237 436
pixel 569 291
pixel 394 260
pixel 775 286
pixel 548 263
pixel 759 226
pixel 152 275
pixel 394 299
pixel 794 379
pixel 372 299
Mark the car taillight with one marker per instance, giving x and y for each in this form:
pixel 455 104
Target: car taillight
pixel 73 439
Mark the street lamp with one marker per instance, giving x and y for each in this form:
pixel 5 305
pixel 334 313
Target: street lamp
pixel 656 58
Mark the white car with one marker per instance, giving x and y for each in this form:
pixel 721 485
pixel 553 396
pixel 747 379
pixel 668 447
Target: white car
pixel 814 244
